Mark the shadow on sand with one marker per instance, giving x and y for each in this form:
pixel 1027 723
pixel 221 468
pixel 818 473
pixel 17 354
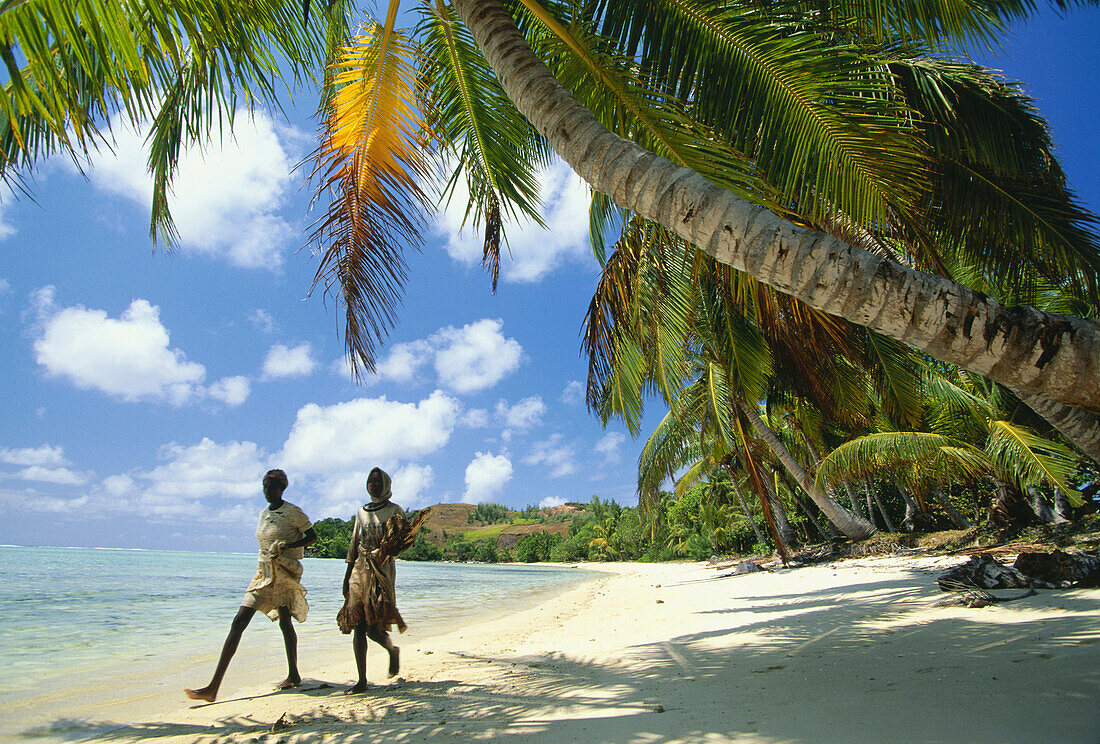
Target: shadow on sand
pixel 852 664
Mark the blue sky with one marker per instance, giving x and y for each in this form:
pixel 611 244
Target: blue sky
pixel 144 394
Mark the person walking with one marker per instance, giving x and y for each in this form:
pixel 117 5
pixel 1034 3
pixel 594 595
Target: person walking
pixel 276 589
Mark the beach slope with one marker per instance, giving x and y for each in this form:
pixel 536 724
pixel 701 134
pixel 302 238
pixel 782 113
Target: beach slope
pixel 847 652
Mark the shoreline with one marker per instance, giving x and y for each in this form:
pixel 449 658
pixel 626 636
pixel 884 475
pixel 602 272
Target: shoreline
pixel 851 651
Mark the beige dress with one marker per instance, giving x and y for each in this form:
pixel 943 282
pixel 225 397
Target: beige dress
pixel 371 585
pixel 277 582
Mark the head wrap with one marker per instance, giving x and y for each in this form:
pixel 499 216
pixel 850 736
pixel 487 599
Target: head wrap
pixel 385 496
pixel 277 475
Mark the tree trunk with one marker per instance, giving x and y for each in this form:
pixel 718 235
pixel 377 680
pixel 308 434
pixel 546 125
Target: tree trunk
pixel 952 513
pixel 1040 506
pixel 745 508
pixel 780 512
pixel 867 502
pixel 851 525
pixel 1030 352
pixel 853 499
pixel 881 509
pixel 1062 509
pixel 914 515
pixel 1008 507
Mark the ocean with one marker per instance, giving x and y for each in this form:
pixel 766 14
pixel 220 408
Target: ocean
pixel 83 629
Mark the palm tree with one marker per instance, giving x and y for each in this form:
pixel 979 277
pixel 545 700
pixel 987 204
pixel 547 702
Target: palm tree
pixel 798 106
pixel 676 326
pixel 1053 357
pixel 976 431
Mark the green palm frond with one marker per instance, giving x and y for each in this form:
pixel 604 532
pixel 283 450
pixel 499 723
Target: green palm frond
pixel 896 450
pixel 1028 459
pixel 372 160
pixel 182 64
pixel 1000 199
pixel 820 121
pixel 606 84
pixel 672 446
pixel 896 376
pixel 496 150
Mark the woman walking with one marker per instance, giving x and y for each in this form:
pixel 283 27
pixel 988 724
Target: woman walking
pixel 276 589
pixel 370 606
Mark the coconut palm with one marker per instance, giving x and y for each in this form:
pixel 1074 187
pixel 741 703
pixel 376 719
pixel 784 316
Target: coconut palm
pixel 664 319
pixel 1053 357
pixel 976 431
pixel 684 106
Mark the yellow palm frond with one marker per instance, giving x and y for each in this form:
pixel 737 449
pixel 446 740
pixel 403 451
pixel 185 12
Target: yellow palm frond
pixel 372 159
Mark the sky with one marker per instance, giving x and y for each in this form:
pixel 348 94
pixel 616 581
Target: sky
pixel 144 393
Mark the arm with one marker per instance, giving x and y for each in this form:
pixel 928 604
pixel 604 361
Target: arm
pixel 347 576
pixel 306 539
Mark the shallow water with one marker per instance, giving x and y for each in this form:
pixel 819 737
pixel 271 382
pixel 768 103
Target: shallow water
pixel 83 627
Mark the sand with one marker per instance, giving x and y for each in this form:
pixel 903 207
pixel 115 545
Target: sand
pixel 846 652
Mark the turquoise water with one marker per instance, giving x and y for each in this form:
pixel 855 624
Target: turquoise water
pixel 100 622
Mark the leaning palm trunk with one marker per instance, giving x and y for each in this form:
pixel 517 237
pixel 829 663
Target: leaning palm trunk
pixel 1030 352
pixel 851 525
pixel 780 513
pixel 745 508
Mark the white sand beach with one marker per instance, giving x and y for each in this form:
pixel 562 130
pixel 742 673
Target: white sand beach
pixel 846 652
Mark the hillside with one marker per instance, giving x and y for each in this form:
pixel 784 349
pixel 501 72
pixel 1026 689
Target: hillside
pixel 448 521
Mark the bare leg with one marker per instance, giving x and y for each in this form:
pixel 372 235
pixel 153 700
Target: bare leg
pixel 382 638
pixel 236 630
pixel 359 648
pixel 290 641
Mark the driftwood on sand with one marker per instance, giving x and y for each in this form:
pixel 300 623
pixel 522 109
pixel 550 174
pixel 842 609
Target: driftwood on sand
pixel 970 583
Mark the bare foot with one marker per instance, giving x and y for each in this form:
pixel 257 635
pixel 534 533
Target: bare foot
pixel 395 661
pixel 360 686
pixel 203 693
pixel 289 683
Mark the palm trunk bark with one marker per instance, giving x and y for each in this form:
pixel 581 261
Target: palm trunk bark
pixel 853 527
pixel 745 508
pixel 1030 352
pixel 780 512
pixel 952 513
pixel 881 509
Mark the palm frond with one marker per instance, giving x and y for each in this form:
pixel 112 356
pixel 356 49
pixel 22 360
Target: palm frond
pixel 496 150
pixel 372 160
pixel 1028 459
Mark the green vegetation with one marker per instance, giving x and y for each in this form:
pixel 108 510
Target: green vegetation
pixel 333 538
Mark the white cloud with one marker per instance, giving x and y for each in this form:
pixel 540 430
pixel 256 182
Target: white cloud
pixel 486 476
pixel 525 414
pixel 283 361
pixel 29 456
pixel 6 199
pixel 5 286
pixel 554 455
pixel 57 476
pixel 127 358
pixel 52 504
pixel 465 360
pixel 225 199
pixel 551 501
pixel 263 321
pixel 532 251
pixel 609 445
pixel 366 432
pixel 475 418
pixel 189 476
pixel 573 393
pixel 413 484
pixel 230 390
pixel 404 360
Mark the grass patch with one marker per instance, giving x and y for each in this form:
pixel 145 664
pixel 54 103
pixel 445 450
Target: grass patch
pixel 485 533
